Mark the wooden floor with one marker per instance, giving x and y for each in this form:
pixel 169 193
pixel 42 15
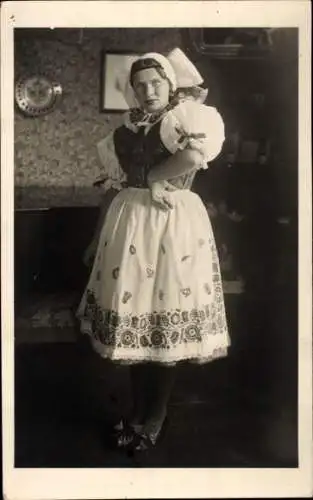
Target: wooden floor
pixel 237 412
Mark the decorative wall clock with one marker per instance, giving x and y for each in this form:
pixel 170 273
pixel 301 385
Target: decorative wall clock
pixel 37 95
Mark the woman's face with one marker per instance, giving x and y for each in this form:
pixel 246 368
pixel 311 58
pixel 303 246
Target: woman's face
pixel 151 90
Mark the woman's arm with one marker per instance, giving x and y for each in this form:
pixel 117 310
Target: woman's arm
pixel 180 163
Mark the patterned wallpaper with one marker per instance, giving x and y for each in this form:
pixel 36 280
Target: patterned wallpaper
pixel 55 155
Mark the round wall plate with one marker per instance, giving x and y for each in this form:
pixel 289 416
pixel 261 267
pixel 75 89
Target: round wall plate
pixel 37 95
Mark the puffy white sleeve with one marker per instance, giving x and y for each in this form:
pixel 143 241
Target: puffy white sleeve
pixel 195 126
pixel 112 174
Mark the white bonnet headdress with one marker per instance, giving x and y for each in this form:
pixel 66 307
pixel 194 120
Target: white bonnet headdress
pixel 186 73
pixel 164 63
pixel 179 70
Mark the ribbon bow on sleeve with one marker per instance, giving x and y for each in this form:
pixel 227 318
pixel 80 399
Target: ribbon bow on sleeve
pixel 191 140
pixel 186 138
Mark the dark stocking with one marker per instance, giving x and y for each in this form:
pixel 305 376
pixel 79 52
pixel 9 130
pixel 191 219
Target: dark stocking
pixel 140 391
pixel 161 384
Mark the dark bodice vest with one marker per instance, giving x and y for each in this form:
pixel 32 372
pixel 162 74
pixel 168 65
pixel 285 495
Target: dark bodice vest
pixel 138 153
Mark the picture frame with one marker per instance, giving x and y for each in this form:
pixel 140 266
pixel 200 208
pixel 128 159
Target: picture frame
pixel 112 65
pixel 232 43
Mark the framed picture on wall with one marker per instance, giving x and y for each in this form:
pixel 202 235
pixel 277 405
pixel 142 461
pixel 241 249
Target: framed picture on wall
pixel 115 67
pixel 228 43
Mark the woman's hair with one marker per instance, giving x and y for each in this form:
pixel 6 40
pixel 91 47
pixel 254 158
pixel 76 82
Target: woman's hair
pixel 147 63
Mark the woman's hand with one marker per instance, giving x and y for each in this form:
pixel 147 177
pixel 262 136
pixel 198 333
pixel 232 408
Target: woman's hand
pixel 90 253
pixel 160 194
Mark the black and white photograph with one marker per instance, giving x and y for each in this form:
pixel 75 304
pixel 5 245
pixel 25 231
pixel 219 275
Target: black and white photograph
pixel 155 250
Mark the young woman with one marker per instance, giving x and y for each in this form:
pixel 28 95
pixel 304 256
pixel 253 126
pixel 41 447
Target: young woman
pixel 154 296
